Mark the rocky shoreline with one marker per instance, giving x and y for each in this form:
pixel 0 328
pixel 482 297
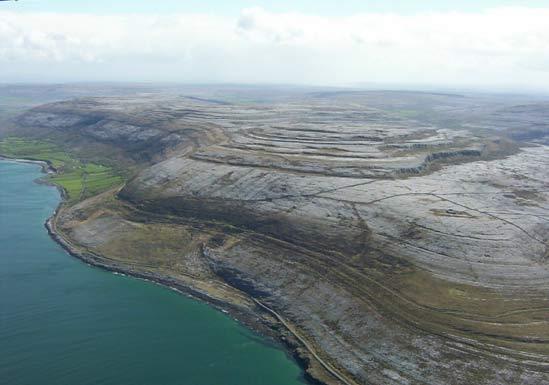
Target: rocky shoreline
pixel 259 319
pixel 253 319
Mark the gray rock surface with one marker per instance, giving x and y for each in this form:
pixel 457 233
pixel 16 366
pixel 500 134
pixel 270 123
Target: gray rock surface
pixel 402 234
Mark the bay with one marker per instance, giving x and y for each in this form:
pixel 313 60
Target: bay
pixel 65 323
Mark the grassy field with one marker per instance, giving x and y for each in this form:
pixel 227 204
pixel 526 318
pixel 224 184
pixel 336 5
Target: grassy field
pixel 80 180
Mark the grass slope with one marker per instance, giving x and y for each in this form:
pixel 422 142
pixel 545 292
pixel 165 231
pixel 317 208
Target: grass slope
pixel 80 180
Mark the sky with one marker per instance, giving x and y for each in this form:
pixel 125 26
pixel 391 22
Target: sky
pixel 490 44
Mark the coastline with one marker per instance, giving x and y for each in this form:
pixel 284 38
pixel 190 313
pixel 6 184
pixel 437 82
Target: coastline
pixel 260 319
pixel 253 319
pixel 47 167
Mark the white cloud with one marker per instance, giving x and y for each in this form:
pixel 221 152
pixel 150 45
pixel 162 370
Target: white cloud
pixel 502 46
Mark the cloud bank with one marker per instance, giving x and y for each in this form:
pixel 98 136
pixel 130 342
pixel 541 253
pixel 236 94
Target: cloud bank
pixel 498 47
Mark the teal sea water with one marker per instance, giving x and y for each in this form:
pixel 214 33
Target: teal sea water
pixel 65 323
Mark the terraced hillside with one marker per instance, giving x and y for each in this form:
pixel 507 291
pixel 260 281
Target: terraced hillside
pixel 389 238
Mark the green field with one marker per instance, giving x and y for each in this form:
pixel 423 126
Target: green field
pixel 80 180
